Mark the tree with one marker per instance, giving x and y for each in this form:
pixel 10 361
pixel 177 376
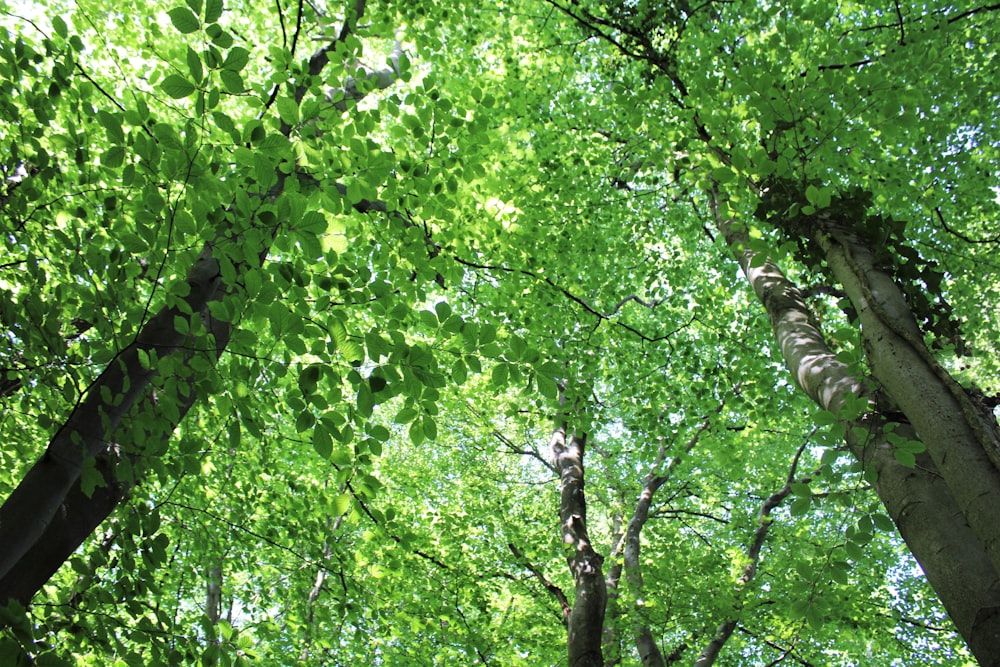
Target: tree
pixel 296 295
pixel 814 199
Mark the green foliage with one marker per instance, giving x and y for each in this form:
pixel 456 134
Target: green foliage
pixel 422 281
pixel 796 214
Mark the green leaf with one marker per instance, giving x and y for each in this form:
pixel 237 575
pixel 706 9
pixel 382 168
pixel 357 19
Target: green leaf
pixel 800 506
pixel 321 441
pixel 112 125
pixel 883 523
pixel 91 478
pixel 723 175
pixel 443 311
pixel 840 573
pixel 854 550
pixel 416 433
pixel 236 59
pixel 341 504
pixel 812 194
pixel 405 416
pixel 430 427
pixel 308 379
pixel 499 375
pixel 194 65
pixel 459 372
pixel 59 26
pixel 800 489
pixel 177 86
pixel 815 618
pixel 365 401
pixel 185 21
pixel 288 110
pixel 546 386
pixel 905 458
pixel 304 421
pixel 213 10
pixel 232 81
pixel 113 157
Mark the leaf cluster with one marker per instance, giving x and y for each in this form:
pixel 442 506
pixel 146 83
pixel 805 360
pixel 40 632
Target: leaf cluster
pixel 802 212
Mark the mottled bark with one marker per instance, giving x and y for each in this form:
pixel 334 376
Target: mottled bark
pixel 929 518
pixel 586 619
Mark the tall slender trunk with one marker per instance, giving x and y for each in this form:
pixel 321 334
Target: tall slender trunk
pixel 610 638
pixel 645 643
pixel 725 630
pixel 586 619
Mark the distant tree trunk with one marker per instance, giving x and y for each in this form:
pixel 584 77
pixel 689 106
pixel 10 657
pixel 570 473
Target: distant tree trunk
pixel 645 644
pixel 611 639
pixel 764 521
pixel 919 499
pixel 213 595
pixel 586 619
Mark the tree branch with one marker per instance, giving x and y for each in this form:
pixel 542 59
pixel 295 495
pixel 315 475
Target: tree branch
pixel 582 302
pixel 554 590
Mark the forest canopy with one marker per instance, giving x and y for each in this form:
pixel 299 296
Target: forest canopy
pixel 532 332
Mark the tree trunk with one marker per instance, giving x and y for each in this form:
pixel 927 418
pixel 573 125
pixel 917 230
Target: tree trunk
pixel 960 439
pixel 586 619
pixel 930 520
pixel 55 508
pixel 645 644
pixel 610 638
pixel 764 522
pixel 50 513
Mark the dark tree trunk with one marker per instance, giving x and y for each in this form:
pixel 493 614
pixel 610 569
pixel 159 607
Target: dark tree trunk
pixel 585 623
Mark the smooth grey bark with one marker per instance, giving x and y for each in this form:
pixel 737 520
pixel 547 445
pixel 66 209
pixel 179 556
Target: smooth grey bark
pixel 626 551
pixel 960 439
pixel 918 500
pixel 610 638
pixel 645 644
pixel 585 621
pixel 937 533
pixel 213 594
